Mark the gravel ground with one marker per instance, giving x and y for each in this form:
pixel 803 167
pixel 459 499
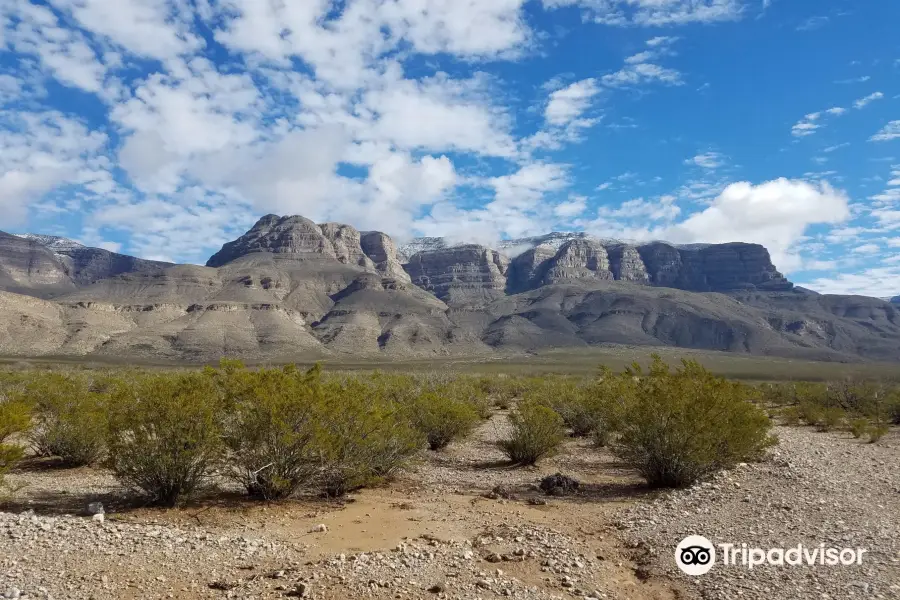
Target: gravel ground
pixel 816 488
pixel 461 524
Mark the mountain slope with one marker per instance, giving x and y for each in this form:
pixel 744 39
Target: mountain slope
pixel 292 287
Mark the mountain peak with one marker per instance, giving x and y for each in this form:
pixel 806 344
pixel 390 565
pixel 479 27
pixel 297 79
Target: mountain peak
pixel 53 242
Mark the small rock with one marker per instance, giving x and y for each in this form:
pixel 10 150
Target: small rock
pixel 99 517
pixel 320 528
pixel 301 590
pixel 94 508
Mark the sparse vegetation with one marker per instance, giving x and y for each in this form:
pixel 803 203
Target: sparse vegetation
pixel 165 435
pixel 537 432
pixel 859 427
pixel 687 424
pixel 442 419
pixel 270 429
pixel 283 431
pixel 70 418
pixel 15 418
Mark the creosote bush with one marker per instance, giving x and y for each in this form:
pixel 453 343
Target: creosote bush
pixel 442 419
pixel 70 418
pixel 536 432
pixel 270 429
pixel 165 438
pixel 859 427
pixel 363 437
pixel 682 426
pixel 15 419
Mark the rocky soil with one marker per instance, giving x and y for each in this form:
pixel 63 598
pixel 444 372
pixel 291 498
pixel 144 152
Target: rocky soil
pixel 816 488
pixel 461 524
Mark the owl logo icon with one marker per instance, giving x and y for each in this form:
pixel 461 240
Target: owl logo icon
pixel 695 555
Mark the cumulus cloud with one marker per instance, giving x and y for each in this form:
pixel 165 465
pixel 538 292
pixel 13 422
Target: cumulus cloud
pixel 570 102
pixel 775 214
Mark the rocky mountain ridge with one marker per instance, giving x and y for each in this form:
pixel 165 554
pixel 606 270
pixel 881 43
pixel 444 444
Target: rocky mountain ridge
pixel 47 266
pixel 292 287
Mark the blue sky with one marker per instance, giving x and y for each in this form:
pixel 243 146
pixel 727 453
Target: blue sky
pixel 163 128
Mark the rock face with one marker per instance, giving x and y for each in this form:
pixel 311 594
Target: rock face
pixel 626 264
pixel 29 267
pixel 298 237
pixel 380 248
pixel 578 259
pixel 715 268
pixel 459 274
pixel 294 235
pixel 346 243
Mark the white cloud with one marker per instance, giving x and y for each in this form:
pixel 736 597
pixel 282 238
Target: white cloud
pixel 438 114
pixel 63 52
pixel 889 132
pixel 775 214
pixel 573 207
pixel 812 122
pixel 570 102
pixel 867 249
pixel 636 74
pixel 654 12
pixel 879 282
pixel 862 102
pixel 836 147
pixel 707 160
pixel 806 126
pixel 861 79
pixel 40 152
pixel 159 29
pixel 812 23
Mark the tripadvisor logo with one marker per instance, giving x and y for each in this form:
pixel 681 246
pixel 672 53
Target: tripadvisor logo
pixel 696 555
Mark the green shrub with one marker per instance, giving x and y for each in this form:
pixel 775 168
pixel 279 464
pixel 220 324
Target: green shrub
pixel 164 437
pixel 15 419
pixel 363 438
pixel 811 413
pixel 537 432
pixel 876 432
pixel 271 430
pixel 790 415
pixel 70 419
pixel 575 404
pixel 893 407
pixel 685 425
pixel 859 427
pixel 831 418
pixel 442 419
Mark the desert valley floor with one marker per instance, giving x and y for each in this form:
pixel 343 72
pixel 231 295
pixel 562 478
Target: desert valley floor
pixel 462 524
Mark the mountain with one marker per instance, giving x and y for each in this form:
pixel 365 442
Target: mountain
pixel 290 287
pixel 29 267
pixel 47 265
pixel 895 300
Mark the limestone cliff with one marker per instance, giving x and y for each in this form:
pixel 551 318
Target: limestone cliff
pixel 468 273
